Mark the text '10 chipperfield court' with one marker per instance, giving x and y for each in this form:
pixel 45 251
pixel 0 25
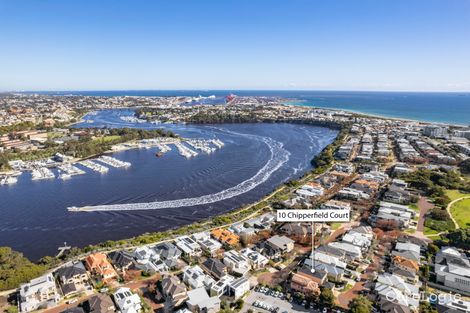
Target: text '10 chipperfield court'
pixel 313 215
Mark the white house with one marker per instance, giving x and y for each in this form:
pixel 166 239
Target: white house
pixel 236 262
pixel 256 259
pixel 126 301
pixel 188 246
pixel 39 293
pixel 148 260
pixel 222 286
pixel 195 277
pixel 199 301
pixel 238 287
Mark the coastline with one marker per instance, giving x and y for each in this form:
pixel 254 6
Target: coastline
pixel 298 103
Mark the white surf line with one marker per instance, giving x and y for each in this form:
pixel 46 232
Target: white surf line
pixel 279 156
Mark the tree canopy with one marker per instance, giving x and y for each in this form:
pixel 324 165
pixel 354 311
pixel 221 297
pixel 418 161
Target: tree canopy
pixel 16 269
pixel 360 304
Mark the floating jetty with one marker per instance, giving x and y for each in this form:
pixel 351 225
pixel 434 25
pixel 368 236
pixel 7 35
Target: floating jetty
pixel 113 161
pixel 201 145
pixel 132 119
pixel 163 148
pixel 185 151
pixel 68 170
pixel 218 143
pixel 42 173
pixel 8 180
pixel 94 166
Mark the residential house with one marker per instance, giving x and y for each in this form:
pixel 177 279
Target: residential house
pixel 408 250
pixel 149 261
pixel 127 301
pixel 99 265
pixel 169 253
pixel 73 278
pixel 279 245
pixel 344 167
pixel 453 269
pixel 215 268
pixel 210 245
pixel 256 259
pixel 122 260
pixel 367 186
pixel 332 271
pixel 221 287
pixel 352 194
pixel 357 239
pixel 39 293
pixel 99 303
pixel 236 262
pixel 188 246
pixel 349 249
pixel 199 301
pixel 207 244
pixel 174 291
pixel 336 205
pixel 389 286
pixel 194 277
pixel 226 237
pixel 306 282
pixel 238 287
pixel 405 264
pixel 312 189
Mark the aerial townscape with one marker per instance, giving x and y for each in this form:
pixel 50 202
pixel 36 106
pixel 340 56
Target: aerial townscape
pixel 405 182
pixel 235 156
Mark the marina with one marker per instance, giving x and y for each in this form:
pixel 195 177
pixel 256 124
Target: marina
pixel 42 170
pixel 94 166
pixel 184 151
pixel 66 171
pixel 8 180
pixel 42 173
pixel 113 161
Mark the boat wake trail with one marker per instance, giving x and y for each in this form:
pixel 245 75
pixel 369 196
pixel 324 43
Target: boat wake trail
pixel 278 156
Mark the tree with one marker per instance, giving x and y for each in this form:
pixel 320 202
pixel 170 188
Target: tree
pixel 360 304
pixel 425 307
pixel 16 269
pixel 239 304
pixel 465 166
pixel 432 249
pixel 460 238
pixel 326 297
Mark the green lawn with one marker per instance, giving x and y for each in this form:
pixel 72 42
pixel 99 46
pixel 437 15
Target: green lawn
pixel 429 231
pixel 414 207
pixel 461 212
pixel 455 194
pixel 108 138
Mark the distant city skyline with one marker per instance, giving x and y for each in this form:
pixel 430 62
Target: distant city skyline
pixel 420 45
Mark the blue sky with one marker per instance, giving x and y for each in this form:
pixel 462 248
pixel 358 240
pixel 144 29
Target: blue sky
pixel 235 44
